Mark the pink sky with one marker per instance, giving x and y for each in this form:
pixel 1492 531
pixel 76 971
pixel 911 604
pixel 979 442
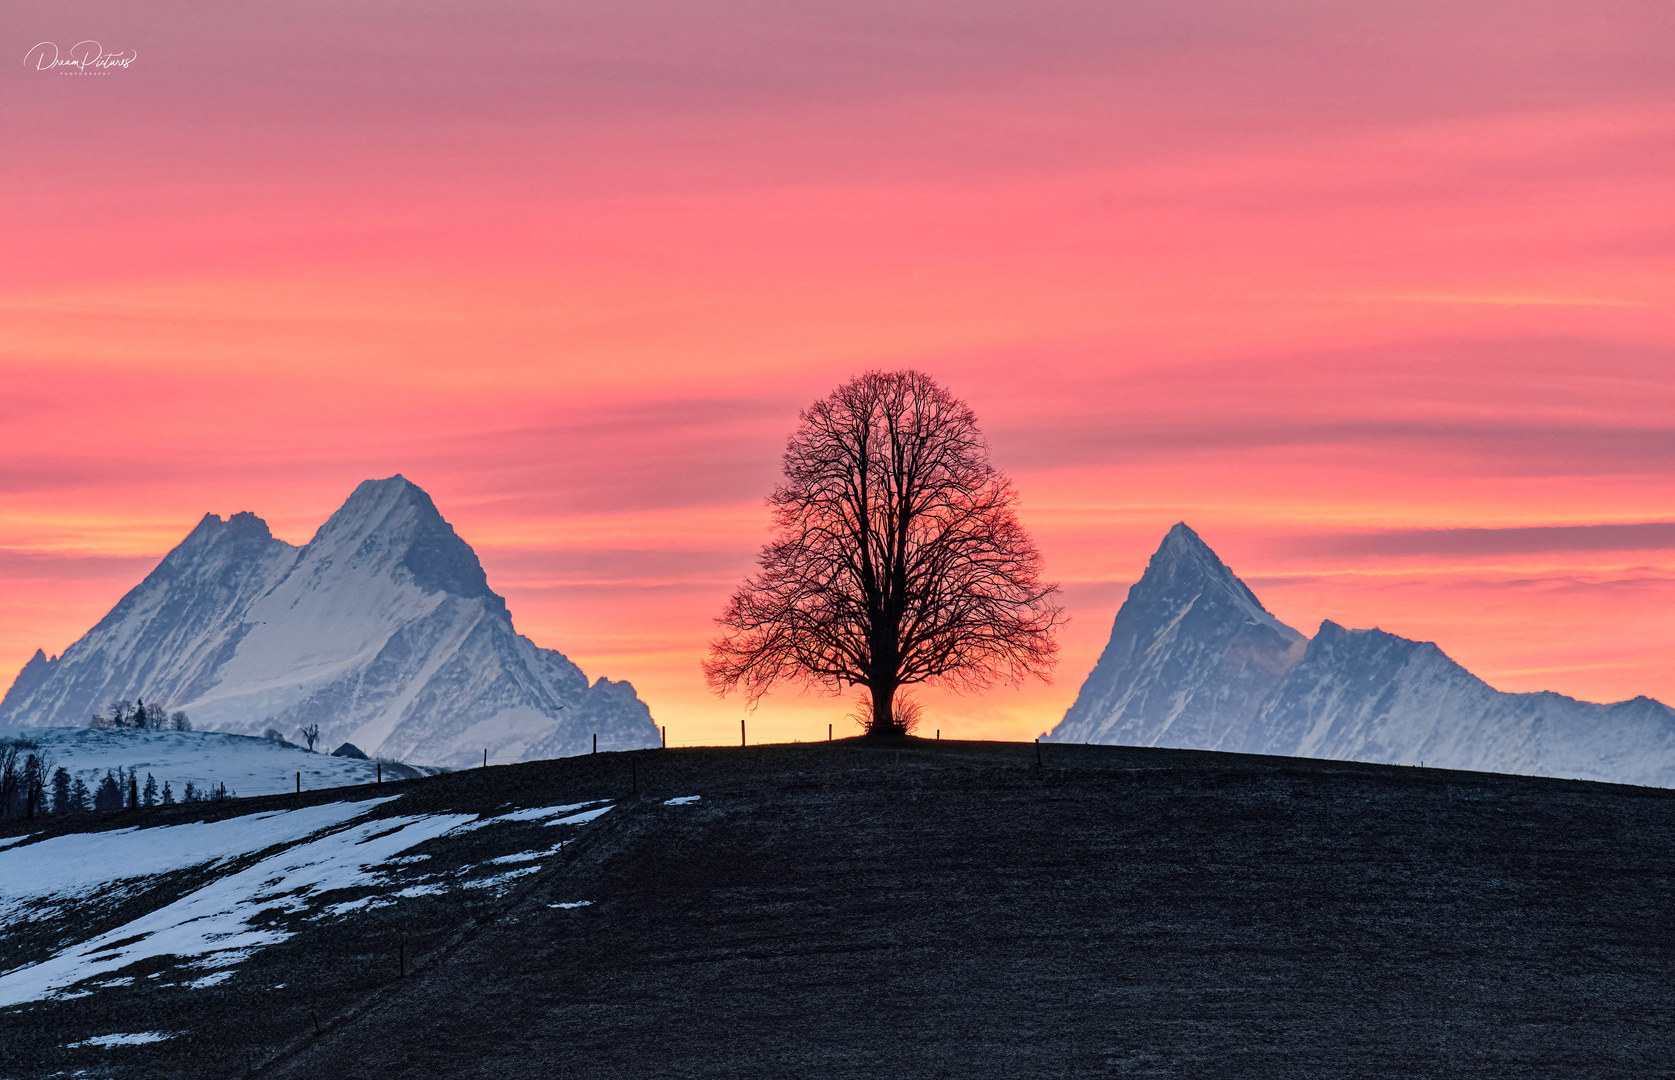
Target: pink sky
pixel 1375 297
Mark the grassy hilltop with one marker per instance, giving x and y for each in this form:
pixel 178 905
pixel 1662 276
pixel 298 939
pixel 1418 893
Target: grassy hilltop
pixel 952 910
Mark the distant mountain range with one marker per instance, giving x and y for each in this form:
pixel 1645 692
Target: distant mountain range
pixel 382 629
pixel 1196 661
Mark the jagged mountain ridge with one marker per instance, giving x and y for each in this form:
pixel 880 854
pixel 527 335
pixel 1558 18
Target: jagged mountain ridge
pixel 382 629
pixel 1195 661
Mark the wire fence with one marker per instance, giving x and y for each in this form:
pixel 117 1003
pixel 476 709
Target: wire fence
pixel 753 734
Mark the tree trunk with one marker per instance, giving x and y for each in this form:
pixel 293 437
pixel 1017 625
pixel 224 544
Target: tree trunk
pixel 883 712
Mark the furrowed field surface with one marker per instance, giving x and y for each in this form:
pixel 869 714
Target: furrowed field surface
pixel 841 910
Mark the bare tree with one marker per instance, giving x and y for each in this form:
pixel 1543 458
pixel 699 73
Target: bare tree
pixel 310 734
pixel 12 758
pixel 24 772
pixel 897 558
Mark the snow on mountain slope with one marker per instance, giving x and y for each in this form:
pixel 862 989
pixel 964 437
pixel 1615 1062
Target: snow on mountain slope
pixel 1191 656
pixel 382 629
pixel 173 630
pixel 1367 695
pixel 1194 661
pixel 247 765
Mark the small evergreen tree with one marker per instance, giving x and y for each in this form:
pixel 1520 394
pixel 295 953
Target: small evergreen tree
pixel 109 794
pixel 61 791
pixel 34 784
pixel 190 794
pixel 149 795
pixel 168 795
pixel 79 796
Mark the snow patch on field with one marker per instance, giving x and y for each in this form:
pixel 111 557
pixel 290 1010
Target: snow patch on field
pixel 78 865
pixel 222 923
pixel 500 881
pixel 541 812
pixel 136 1039
pixel 579 819
pixel 431 889
pixel 530 856
pixel 215 923
pixel 683 800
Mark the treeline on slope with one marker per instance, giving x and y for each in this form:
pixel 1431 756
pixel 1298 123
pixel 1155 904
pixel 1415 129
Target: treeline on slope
pixel 123 713
pixel 29 784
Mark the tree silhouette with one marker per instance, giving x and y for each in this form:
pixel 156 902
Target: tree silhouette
pixel 108 796
pixel 897 558
pixel 12 758
pixel 311 733
pixel 35 770
pixel 123 713
pixel 61 791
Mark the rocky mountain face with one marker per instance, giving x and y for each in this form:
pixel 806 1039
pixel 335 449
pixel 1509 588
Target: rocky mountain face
pixel 1192 656
pixel 1195 661
pixel 382 629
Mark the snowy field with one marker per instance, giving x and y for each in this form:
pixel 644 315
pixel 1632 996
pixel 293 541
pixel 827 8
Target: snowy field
pixel 210 929
pixel 207 759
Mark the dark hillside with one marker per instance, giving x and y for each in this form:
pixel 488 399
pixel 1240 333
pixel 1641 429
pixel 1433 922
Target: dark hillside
pixel 843 911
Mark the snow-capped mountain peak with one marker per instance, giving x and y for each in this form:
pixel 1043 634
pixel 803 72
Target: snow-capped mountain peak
pixel 1195 661
pixel 390 524
pixel 1184 565
pixel 1192 653
pixel 382 629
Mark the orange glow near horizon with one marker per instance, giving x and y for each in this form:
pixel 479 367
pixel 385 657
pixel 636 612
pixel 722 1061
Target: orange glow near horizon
pixel 1319 282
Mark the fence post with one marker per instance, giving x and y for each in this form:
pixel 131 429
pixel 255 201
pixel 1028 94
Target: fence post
pixel 741 734
pixel 485 757
pixel 299 783
pixel 665 736
pixel 380 772
pixel 828 733
pixel 595 742
pixel 1038 751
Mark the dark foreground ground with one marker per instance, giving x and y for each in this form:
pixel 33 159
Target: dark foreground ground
pixel 846 911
